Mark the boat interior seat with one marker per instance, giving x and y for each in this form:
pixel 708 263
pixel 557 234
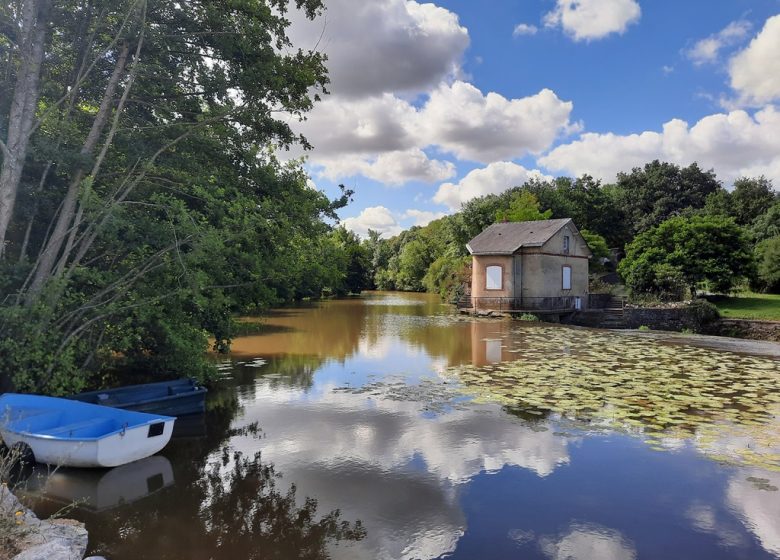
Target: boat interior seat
pixel 32 419
pixel 91 427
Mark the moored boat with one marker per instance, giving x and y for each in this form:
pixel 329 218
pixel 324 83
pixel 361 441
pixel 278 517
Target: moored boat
pixel 69 433
pixel 179 397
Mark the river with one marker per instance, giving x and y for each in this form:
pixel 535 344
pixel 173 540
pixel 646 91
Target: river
pixel 388 427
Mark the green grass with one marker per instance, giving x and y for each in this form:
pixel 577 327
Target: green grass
pixel 750 305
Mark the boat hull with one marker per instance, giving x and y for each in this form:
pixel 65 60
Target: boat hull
pixel 110 451
pixel 74 434
pixel 180 397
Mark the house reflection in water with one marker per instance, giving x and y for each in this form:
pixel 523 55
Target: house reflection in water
pixel 487 342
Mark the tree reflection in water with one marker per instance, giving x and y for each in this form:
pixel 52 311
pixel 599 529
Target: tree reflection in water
pixel 246 516
pixel 223 505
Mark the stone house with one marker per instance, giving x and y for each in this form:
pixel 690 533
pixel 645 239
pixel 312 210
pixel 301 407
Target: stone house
pixel 537 267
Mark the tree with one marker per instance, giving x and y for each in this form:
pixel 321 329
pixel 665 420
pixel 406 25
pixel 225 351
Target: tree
pixel 598 246
pixel 767 225
pixel 768 265
pixel 523 207
pixel 148 208
pixel 447 277
pixel 413 262
pixel 751 198
pixel 660 190
pixel 692 249
pixel 358 262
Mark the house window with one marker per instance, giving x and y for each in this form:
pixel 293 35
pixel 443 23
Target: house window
pixel 566 278
pixel 566 244
pixel 494 276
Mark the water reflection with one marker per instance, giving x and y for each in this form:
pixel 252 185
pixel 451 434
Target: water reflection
pixel 755 495
pixel 379 458
pixel 586 542
pixel 338 434
pixel 100 489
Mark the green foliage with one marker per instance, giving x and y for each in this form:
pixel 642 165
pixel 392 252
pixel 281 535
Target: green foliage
pixel 643 328
pixel 598 246
pixel 189 219
pixel 688 250
pixel 355 262
pixel 703 313
pixel 751 198
pixel 767 225
pixel 530 317
pixel 448 276
pixel 768 265
pixel 659 191
pixel 524 207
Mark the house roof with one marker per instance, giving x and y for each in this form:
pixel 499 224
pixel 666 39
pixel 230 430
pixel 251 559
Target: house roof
pixel 507 238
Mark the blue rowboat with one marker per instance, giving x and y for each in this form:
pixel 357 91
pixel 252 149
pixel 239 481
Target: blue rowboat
pixel 172 398
pixel 69 433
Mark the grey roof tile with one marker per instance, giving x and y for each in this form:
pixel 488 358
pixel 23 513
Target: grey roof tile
pixel 506 238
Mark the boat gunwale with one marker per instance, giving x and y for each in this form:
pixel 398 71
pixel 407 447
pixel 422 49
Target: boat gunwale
pixel 127 428
pixel 197 391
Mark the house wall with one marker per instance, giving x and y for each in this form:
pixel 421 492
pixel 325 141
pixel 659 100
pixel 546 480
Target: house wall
pixel 543 267
pixel 483 297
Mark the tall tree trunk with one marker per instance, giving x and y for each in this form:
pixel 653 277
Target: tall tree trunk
pixel 51 251
pixel 23 106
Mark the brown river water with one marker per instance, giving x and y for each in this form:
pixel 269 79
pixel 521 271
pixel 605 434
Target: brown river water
pixel 389 427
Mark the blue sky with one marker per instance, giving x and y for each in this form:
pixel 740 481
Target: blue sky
pixel 433 104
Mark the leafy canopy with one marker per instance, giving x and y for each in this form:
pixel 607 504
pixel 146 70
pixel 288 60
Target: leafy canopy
pixel 686 251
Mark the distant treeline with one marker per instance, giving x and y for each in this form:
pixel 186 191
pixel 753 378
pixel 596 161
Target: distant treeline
pixel 678 227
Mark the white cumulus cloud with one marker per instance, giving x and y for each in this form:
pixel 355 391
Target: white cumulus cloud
pixel 586 20
pixel 755 71
pixel 734 144
pixel 384 45
pixel 390 168
pixel 524 29
pixel 423 217
pixel 487 128
pixel 377 218
pixel 383 137
pixel 493 179
pixel 707 50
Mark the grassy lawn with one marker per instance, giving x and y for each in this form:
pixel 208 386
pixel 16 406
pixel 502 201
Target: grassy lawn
pixel 750 306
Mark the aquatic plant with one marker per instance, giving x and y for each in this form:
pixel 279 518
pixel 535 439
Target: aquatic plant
pixel 528 317
pixel 726 404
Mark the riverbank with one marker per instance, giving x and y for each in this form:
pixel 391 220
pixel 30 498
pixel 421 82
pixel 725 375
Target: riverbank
pixel 30 538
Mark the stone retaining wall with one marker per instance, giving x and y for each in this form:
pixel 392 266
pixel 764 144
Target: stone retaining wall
pixel 746 328
pixel 677 319
pixel 659 319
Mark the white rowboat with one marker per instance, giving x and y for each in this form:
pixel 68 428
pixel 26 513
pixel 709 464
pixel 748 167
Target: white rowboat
pixel 69 433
